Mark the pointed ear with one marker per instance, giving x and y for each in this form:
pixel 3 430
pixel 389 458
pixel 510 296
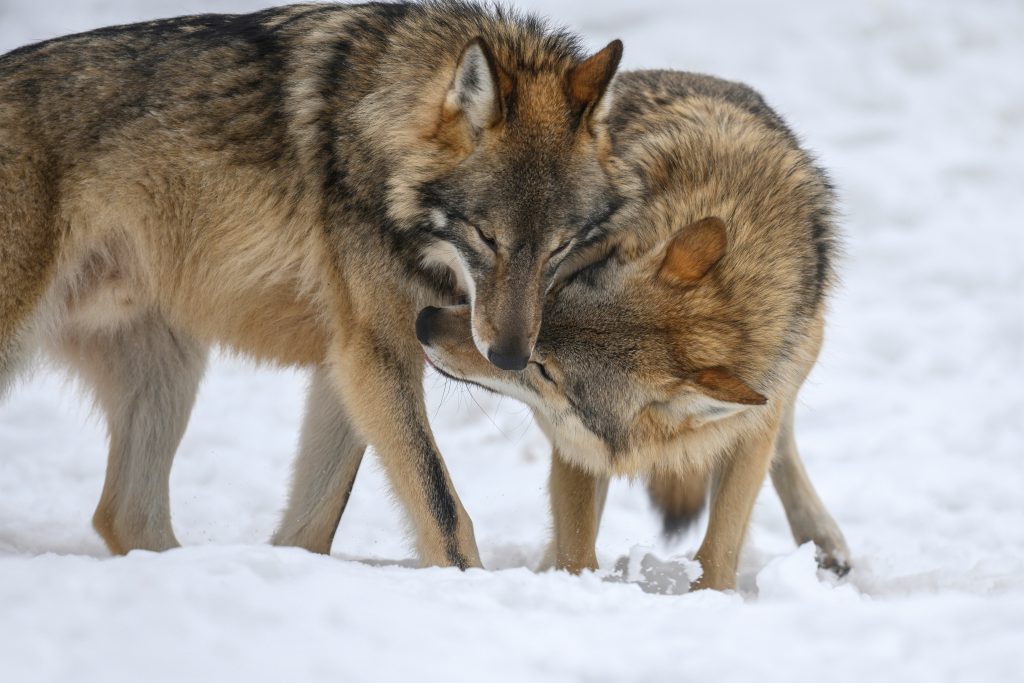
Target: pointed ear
pixel 710 395
pixel 694 251
pixel 474 88
pixel 721 385
pixel 589 81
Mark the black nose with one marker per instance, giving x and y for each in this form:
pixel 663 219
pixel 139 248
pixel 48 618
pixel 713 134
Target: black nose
pixel 426 324
pixel 513 360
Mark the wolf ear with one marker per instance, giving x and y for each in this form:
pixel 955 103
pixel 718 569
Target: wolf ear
pixel 694 251
pixel 723 386
pixel 712 394
pixel 474 88
pixel 589 82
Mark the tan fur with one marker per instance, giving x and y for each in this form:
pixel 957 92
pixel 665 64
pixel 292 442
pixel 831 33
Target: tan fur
pixel 678 348
pixel 739 481
pixel 577 500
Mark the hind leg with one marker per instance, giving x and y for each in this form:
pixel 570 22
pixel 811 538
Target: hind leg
pixel 808 518
pixel 145 376
pixel 330 452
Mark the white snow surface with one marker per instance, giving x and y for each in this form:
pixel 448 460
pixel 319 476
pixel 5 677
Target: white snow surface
pixel 912 427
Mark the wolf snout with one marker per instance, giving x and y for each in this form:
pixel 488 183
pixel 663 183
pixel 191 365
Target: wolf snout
pixel 427 324
pixel 514 356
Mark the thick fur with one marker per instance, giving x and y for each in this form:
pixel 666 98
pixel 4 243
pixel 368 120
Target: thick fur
pixel 290 184
pixel 675 351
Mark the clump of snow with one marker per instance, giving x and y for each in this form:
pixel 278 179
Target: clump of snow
pixel 672 576
pixel 796 577
pixel 910 427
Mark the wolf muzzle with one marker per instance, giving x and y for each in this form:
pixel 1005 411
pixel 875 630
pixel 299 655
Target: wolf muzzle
pixel 513 355
pixel 428 325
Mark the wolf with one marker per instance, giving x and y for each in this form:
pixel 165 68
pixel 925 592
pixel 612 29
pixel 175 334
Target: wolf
pixel 675 350
pixel 293 185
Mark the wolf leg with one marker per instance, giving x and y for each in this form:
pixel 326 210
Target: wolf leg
pixel 577 502
pixel 735 489
pixel 809 520
pixel 145 376
pixel 379 374
pixel 330 452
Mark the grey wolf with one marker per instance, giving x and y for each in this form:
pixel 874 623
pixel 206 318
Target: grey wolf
pixel 674 351
pixel 292 185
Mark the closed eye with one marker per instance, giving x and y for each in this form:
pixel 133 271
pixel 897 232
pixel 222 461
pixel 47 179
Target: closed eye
pixel 561 247
pixel 543 371
pixel 590 270
pixel 486 239
pixel 600 219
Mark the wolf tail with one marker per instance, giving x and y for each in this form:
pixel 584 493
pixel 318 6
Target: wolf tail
pixel 680 500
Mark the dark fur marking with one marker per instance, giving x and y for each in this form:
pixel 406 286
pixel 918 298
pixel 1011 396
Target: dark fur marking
pixel 335 172
pixel 589 273
pixel 594 229
pixel 341 195
pixel 439 499
pixel 600 419
pixel 822 250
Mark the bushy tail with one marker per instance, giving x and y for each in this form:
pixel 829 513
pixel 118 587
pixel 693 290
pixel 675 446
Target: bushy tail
pixel 680 500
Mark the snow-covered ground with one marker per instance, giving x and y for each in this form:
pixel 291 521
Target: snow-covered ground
pixel 912 427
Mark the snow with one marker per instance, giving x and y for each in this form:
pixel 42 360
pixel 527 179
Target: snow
pixel 911 427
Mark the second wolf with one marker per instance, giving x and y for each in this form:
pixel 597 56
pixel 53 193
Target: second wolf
pixel 292 184
pixel 677 349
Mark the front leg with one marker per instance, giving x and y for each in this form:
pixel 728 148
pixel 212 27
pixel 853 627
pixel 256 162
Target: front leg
pixel 577 501
pixel 736 487
pixel 379 375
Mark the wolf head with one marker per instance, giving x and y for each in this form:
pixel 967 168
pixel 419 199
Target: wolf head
pixel 524 181
pixel 630 357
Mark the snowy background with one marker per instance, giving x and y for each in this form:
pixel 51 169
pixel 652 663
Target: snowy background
pixel 912 427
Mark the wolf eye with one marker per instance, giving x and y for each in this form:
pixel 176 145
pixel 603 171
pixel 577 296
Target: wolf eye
pixel 543 371
pixel 562 247
pixel 486 239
